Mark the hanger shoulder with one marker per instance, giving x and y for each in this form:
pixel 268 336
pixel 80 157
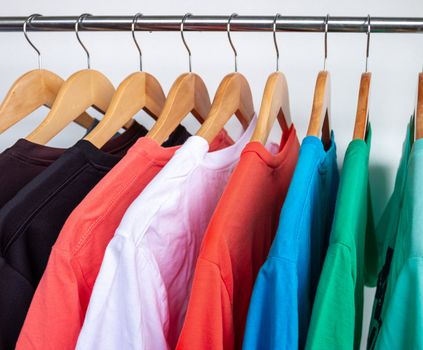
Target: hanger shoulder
pixel 361 118
pixel 138 91
pixel 36 88
pixel 187 94
pixel 29 92
pixel 274 105
pixel 419 109
pixel 320 113
pixel 233 96
pixel 80 91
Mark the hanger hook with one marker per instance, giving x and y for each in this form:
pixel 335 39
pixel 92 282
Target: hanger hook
pixel 274 40
pixel 29 20
pixel 78 21
pixel 183 39
pixel 228 30
pixel 326 22
pixel 368 40
pixel 134 22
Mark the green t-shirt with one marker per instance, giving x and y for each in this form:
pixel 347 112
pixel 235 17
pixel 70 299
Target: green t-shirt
pixel 397 320
pixel 338 307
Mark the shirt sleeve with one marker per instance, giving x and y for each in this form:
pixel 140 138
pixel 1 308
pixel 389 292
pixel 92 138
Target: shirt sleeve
pixel 208 323
pixel 332 322
pixel 402 322
pixel 54 317
pixel 272 321
pixel 111 321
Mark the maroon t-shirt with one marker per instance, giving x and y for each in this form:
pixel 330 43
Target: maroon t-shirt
pixel 23 161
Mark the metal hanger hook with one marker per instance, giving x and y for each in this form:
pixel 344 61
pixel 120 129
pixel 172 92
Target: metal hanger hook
pixel 29 20
pixel 134 22
pixel 228 30
pixel 368 40
pixel 183 40
pixel 79 21
pixel 274 40
pixel 326 40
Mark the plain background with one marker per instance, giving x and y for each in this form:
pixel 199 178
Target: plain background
pixel 395 60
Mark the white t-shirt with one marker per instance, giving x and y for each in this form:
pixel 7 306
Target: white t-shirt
pixel 140 296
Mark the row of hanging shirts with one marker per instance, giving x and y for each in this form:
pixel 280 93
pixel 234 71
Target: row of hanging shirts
pixel 141 91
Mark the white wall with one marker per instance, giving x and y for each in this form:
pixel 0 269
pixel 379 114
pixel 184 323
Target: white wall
pixel 395 60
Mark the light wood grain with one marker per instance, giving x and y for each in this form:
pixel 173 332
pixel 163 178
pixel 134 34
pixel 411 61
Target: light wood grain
pixel 274 105
pixel 188 94
pixel 419 109
pixel 362 115
pixel 29 92
pixel 80 91
pixel 319 123
pixel 139 91
pixel 233 96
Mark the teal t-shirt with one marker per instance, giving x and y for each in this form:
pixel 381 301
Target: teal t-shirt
pixel 397 320
pixel 280 306
pixel 337 315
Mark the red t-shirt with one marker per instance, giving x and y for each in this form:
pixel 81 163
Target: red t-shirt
pixel 235 246
pixel 58 308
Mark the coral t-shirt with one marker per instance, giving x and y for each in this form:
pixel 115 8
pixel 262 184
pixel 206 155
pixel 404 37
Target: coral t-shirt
pixel 58 308
pixel 236 244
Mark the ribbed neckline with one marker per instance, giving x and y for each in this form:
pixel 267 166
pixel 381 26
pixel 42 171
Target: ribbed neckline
pixel 34 151
pixel 223 157
pixel 112 151
pixel 274 160
pixel 121 143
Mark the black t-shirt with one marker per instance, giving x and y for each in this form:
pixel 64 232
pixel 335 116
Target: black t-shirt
pixel 23 161
pixel 31 221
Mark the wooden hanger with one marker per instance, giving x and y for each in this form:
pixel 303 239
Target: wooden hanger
pixel 362 116
pixel 32 90
pixel 418 118
pixel 36 88
pixel 139 91
pixel 275 101
pixel 80 91
pixel 274 105
pixel 188 94
pixel 233 96
pixel 319 123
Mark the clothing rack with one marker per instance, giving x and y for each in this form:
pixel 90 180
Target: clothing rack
pixel 217 23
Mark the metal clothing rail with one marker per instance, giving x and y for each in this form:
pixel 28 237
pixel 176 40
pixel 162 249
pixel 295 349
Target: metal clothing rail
pixel 217 23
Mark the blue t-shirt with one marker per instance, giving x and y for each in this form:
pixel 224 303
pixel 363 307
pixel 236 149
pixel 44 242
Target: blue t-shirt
pixel 283 294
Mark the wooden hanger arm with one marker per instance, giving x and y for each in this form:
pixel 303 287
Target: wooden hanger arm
pixel 419 109
pixel 28 93
pixel 138 91
pixel 361 118
pixel 320 114
pixel 82 90
pixel 233 96
pixel 187 94
pixel 274 105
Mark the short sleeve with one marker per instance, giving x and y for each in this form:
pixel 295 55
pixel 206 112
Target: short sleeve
pixel 332 324
pixel 113 311
pixel 272 321
pixel 51 322
pixel 208 323
pixel 402 323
